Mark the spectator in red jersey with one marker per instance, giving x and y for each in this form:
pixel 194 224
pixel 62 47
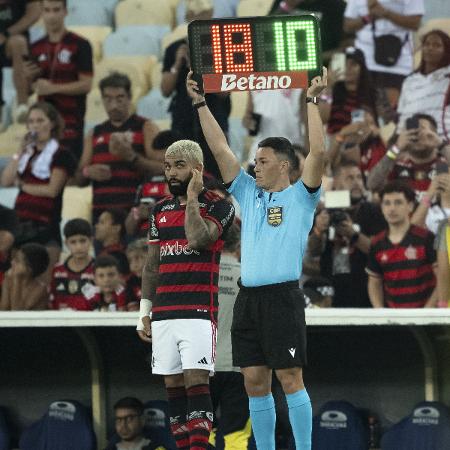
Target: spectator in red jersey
pixel 109 294
pixel 412 158
pixel 40 169
pixel 24 287
pixel 401 260
pixel 16 17
pixel 353 93
pixel 118 153
pixel 151 191
pixel 136 253
pixel 8 226
pixel 180 286
pixel 73 280
pixel 110 233
pixel 60 72
pixel 359 142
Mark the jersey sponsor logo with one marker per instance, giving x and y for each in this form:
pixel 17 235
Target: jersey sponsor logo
pixel 292 351
pixel 176 250
pixel 275 215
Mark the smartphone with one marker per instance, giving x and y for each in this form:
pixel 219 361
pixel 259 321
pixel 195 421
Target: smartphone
pixel 337 63
pixel 357 115
pixel 337 199
pixel 441 167
pixel 412 123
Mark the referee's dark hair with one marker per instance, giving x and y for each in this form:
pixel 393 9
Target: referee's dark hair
pixel 281 147
pixel 400 187
pixel 130 403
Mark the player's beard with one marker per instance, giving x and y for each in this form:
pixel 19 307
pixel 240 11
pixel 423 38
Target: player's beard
pixel 180 189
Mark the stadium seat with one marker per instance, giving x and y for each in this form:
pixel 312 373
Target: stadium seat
pixel 134 40
pixel 77 203
pixel 86 12
pixel 143 12
pixel 254 8
pixel 11 139
pixel 96 35
pixel 65 426
pixel 157 425
pixel 138 69
pixel 156 75
pixel 426 428
pixel 154 105
pixel 338 426
pixel 178 33
pixel 4 431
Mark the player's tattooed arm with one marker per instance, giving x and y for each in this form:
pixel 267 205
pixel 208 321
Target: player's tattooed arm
pixel 150 273
pixel 200 233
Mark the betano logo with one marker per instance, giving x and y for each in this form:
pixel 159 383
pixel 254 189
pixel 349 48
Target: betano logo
pixel 231 82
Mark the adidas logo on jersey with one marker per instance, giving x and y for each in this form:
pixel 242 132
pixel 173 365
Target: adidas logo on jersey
pixel 163 219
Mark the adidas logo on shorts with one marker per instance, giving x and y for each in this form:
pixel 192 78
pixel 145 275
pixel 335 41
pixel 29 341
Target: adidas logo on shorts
pixel 202 361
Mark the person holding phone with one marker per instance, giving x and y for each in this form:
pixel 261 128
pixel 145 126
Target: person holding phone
pixel 40 170
pixel 412 157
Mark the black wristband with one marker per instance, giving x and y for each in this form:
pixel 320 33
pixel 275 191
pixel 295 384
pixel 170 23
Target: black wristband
pixel 199 104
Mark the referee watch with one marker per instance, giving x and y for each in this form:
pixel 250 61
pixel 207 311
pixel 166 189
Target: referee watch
pixel 314 100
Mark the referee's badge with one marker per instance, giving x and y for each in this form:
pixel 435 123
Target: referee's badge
pixel 275 215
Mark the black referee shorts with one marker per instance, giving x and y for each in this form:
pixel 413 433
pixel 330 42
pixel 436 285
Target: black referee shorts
pixel 269 326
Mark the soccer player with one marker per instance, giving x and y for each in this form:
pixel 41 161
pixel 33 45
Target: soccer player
pixel 268 330
pixel 180 286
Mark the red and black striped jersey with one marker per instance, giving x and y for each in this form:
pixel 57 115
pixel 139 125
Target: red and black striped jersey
pixel 64 62
pixel 188 279
pixel 417 176
pixel 117 302
pixel 69 289
pixel 45 210
pixel 406 268
pixel 120 190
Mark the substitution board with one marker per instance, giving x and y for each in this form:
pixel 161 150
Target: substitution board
pixel 253 53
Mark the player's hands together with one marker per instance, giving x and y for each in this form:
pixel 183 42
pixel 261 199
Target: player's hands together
pixel 193 89
pixel 195 185
pixel 146 333
pixel 318 84
pixel 120 145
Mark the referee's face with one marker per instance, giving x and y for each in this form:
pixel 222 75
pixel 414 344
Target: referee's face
pixel 268 168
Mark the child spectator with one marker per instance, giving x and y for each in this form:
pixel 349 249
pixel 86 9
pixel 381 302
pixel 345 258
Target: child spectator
pixel 136 253
pixel 23 287
pixel 73 279
pixel 109 294
pixel 110 232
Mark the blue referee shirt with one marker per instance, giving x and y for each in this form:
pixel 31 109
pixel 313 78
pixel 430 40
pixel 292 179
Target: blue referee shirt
pixel 275 228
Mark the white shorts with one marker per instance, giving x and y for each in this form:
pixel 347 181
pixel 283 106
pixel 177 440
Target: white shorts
pixel 180 344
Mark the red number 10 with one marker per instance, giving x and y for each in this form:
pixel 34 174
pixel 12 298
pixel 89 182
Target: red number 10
pixel 244 47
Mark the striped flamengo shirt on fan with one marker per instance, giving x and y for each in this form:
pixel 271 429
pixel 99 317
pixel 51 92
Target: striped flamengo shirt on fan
pixel 120 190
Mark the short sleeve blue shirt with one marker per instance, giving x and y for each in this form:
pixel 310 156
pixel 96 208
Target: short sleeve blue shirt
pixel 275 228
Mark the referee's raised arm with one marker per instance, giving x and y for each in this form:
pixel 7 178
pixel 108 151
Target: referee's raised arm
pixel 315 161
pixel 226 160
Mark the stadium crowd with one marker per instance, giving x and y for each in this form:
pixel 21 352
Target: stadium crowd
pixel 85 115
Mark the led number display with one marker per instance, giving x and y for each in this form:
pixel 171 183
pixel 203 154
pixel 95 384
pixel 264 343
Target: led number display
pixel 249 53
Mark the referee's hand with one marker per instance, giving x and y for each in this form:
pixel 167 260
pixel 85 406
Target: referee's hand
pixel 146 334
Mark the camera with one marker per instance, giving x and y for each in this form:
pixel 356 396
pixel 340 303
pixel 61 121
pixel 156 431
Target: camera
pixel 337 216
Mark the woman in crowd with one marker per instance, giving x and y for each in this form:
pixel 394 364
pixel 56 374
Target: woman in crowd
pixel 40 170
pixel 428 88
pixel 24 288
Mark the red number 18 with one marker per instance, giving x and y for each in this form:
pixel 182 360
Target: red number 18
pixel 244 47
